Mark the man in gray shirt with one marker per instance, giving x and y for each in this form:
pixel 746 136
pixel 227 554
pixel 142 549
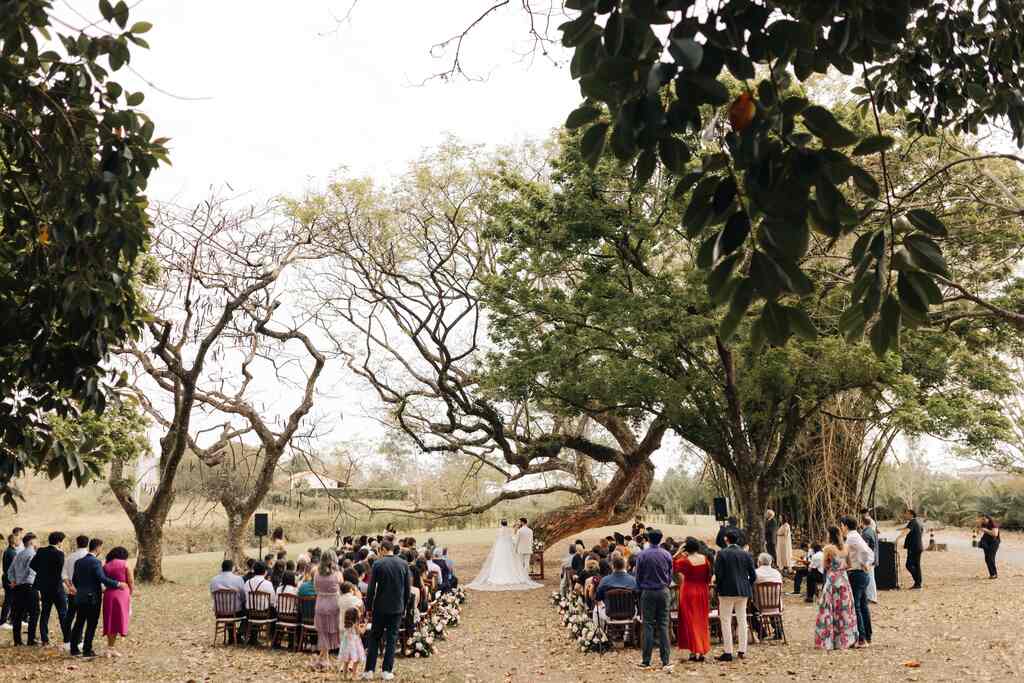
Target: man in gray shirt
pixel 228 580
pixel 26 597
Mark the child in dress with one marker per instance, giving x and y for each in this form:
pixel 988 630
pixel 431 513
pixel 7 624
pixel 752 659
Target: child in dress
pixel 350 650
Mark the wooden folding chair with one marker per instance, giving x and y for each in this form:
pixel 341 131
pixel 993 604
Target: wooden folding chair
pixel 307 615
pixel 288 620
pixel 768 602
pixel 260 616
pixel 620 607
pixel 225 615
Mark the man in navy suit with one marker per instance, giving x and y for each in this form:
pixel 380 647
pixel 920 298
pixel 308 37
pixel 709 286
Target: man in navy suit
pixel 89 580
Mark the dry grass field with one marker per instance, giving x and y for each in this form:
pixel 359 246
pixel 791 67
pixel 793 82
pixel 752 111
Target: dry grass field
pixel 961 628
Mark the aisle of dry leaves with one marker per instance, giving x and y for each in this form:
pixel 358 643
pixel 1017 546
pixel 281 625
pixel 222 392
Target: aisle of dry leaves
pixel 960 628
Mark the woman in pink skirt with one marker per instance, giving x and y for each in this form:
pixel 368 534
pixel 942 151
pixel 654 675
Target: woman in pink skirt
pixel 117 602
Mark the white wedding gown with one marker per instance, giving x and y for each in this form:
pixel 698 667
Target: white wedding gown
pixel 503 569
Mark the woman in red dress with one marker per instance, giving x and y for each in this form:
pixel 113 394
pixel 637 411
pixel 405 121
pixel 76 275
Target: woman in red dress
pixel 694 634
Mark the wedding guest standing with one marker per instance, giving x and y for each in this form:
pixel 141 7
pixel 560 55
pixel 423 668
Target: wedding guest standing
pixel 989 543
pixel 869 532
pixel 89 580
pixel 80 551
pixel 653 577
pixel 836 625
pixel 48 564
pixel 731 524
pixel 387 596
pixel 694 633
pixel 26 598
pixel 328 614
pixel 10 552
pixel 784 545
pixel 117 602
pixel 913 545
pixel 859 561
pixel 771 531
pixel 278 543
pixel 734 578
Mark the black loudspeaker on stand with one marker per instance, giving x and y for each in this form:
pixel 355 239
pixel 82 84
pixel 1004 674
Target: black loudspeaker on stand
pixel 262 526
pixel 887 569
pixel 721 509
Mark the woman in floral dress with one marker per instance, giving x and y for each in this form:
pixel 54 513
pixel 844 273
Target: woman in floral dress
pixel 836 625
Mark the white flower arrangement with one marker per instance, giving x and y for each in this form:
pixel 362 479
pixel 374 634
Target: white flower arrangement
pixel 578 624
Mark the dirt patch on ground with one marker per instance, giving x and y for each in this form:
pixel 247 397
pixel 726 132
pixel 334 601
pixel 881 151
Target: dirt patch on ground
pixel 961 627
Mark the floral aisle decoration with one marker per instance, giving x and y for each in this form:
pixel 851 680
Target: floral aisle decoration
pixel 589 636
pixel 446 613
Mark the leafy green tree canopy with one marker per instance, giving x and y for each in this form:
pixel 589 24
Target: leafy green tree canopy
pixel 76 155
pixel 654 71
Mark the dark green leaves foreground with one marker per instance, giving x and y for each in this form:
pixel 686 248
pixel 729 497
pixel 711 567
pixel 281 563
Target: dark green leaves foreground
pixel 75 158
pixel 787 165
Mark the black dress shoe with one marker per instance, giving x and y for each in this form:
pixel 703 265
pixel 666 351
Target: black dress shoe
pixel 89 655
pixel 742 655
pixel 724 657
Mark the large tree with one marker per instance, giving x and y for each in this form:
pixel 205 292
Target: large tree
pixel 75 157
pixel 219 328
pixel 596 305
pixel 410 261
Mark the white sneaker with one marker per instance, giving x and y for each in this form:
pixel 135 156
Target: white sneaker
pixel 387 675
pixel 366 676
pixel 66 647
pixel 667 668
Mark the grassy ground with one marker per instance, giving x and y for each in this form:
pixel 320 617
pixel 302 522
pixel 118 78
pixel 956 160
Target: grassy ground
pixel 960 628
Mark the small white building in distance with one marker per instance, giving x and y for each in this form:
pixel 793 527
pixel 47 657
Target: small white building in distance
pixel 312 480
pixel 983 475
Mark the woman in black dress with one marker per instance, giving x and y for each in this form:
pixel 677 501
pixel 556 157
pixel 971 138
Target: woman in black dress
pixel 989 542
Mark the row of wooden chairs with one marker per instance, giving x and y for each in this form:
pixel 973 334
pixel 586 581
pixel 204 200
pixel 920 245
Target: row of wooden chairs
pixel 294 618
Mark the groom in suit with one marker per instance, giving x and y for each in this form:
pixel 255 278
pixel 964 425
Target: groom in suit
pixel 524 543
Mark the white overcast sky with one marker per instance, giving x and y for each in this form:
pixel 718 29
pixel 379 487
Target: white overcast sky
pixel 295 95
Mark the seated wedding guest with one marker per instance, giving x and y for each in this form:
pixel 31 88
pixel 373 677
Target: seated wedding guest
pixel 815 571
pixel 801 560
pixel 766 573
pixel 619 578
pixel 260 583
pixel 228 580
pixel 574 560
pixel 269 559
pixel 307 588
pixel 602 547
pixel 289 566
pixel 434 569
pixel 277 573
pixel 250 569
pixel 363 569
pixel 446 574
pixel 287 585
pixel 352 576
pixel 591 569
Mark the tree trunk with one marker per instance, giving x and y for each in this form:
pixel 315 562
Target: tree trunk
pixel 753 501
pixel 618 502
pixel 236 538
pixel 150 537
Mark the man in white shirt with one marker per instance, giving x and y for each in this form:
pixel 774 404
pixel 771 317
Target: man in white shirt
pixel 81 550
pixel 228 580
pixel 859 560
pixel 260 583
pixel 765 572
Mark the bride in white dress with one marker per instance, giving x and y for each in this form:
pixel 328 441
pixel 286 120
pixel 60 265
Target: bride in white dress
pixel 503 569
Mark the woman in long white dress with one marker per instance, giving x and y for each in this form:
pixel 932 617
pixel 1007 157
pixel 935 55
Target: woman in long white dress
pixel 784 545
pixel 503 569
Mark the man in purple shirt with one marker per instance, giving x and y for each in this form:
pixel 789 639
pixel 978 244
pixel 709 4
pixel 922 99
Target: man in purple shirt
pixel 653 577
